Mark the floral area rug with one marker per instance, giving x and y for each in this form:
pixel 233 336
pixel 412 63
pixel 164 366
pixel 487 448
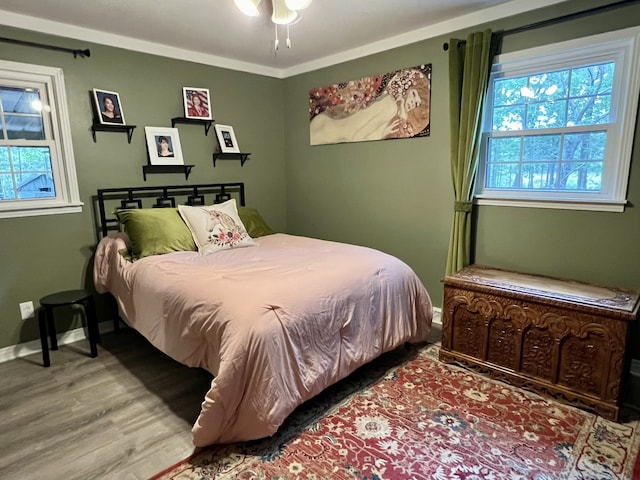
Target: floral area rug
pixel 409 416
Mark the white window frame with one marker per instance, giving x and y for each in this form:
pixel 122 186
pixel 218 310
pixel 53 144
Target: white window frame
pixel 623 46
pixel 57 126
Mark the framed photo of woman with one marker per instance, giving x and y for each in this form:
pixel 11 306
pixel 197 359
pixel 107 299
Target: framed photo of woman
pixel 227 139
pixel 197 103
pixel 163 145
pixel 108 107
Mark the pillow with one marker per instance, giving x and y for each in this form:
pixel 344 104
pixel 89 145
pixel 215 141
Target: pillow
pixel 254 223
pixel 216 227
pixel 154 231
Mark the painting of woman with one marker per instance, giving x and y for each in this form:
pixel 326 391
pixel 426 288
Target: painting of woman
pixel 395 105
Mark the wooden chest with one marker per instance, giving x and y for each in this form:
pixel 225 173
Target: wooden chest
pixel 556 337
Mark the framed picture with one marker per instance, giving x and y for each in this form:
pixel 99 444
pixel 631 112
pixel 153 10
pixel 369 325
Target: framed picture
pixel 227 139
pixel 163 145
pixel 197 103
pixel 108 107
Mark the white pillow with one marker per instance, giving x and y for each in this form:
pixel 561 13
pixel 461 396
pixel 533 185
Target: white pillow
pixel 216 227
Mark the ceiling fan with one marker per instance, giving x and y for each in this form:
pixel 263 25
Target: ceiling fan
pixel 283 12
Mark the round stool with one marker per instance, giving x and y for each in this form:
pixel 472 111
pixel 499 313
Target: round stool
pixel 64 299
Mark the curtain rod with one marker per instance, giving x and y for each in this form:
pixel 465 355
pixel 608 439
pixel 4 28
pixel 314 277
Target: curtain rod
pixel 76 53
pixel 563 18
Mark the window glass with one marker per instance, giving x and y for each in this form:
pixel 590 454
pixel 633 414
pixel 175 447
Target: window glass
pixel 26 173
pixel 22 113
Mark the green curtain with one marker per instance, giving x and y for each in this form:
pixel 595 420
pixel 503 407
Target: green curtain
pixel 469 66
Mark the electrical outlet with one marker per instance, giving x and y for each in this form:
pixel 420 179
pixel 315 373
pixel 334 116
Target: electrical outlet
pixel 27 310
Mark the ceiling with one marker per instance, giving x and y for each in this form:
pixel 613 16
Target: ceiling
pixel 215 32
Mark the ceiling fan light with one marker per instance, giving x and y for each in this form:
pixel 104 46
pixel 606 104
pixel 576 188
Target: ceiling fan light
pixel 248 7
pixel 297 4
pixel 281 14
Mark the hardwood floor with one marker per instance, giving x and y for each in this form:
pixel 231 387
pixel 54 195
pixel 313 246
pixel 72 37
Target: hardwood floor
pixel 122 415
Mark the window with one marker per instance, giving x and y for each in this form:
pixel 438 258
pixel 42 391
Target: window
pixel 559 125
pixel 37 167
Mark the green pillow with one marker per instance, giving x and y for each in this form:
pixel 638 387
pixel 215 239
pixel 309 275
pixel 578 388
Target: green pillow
pixel 254 223
pixel 154 231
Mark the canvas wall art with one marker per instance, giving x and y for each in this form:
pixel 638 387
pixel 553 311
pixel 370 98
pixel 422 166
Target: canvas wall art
pixel 380 107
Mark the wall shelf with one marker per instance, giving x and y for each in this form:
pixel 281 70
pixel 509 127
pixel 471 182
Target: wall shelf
pixel 101 127
pixel 230 156
pixel 147 169
pixel 193 121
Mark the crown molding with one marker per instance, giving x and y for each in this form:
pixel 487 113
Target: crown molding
pixel 95 36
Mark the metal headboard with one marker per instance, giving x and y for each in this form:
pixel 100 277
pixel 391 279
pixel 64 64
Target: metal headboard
pixel 168 196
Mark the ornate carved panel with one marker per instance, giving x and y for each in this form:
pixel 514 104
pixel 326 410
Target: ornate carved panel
pixel 502 343
pixel 537 351
pixel 467 333
pixel 584 363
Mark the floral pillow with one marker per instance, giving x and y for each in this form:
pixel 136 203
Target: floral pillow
pixel 216 227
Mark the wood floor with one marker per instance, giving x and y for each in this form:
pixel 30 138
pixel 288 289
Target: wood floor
pixel 119 416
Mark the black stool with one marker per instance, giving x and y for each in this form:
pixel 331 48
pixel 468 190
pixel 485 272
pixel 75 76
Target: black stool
pixel 63 299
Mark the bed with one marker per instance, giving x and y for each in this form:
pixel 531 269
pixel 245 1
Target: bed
pixel 275 320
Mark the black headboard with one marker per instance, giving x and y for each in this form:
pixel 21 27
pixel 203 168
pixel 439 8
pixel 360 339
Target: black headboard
pixel 111 199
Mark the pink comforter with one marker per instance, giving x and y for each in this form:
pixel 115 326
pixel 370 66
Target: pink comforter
pixel 275 323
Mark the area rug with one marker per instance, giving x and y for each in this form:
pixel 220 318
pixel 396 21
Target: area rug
pixel 409 416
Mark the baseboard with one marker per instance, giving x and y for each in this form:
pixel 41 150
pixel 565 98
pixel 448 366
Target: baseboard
pixel 437 316
pixel 28 348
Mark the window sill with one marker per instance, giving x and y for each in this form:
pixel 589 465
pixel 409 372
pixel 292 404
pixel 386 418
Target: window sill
pixel 41 210
pixel 596 206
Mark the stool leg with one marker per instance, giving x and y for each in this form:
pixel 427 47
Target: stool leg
pixel 94 317
pixel 51 326
pixel 42 324
pixel 92 325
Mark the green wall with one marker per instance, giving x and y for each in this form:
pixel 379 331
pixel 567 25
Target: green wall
pixel 392 195
pixel 45 254
pixel 396 195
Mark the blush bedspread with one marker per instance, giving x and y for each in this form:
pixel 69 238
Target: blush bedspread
pixel 275 323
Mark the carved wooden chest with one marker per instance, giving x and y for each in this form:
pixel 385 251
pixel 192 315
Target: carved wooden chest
pixel 556 337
